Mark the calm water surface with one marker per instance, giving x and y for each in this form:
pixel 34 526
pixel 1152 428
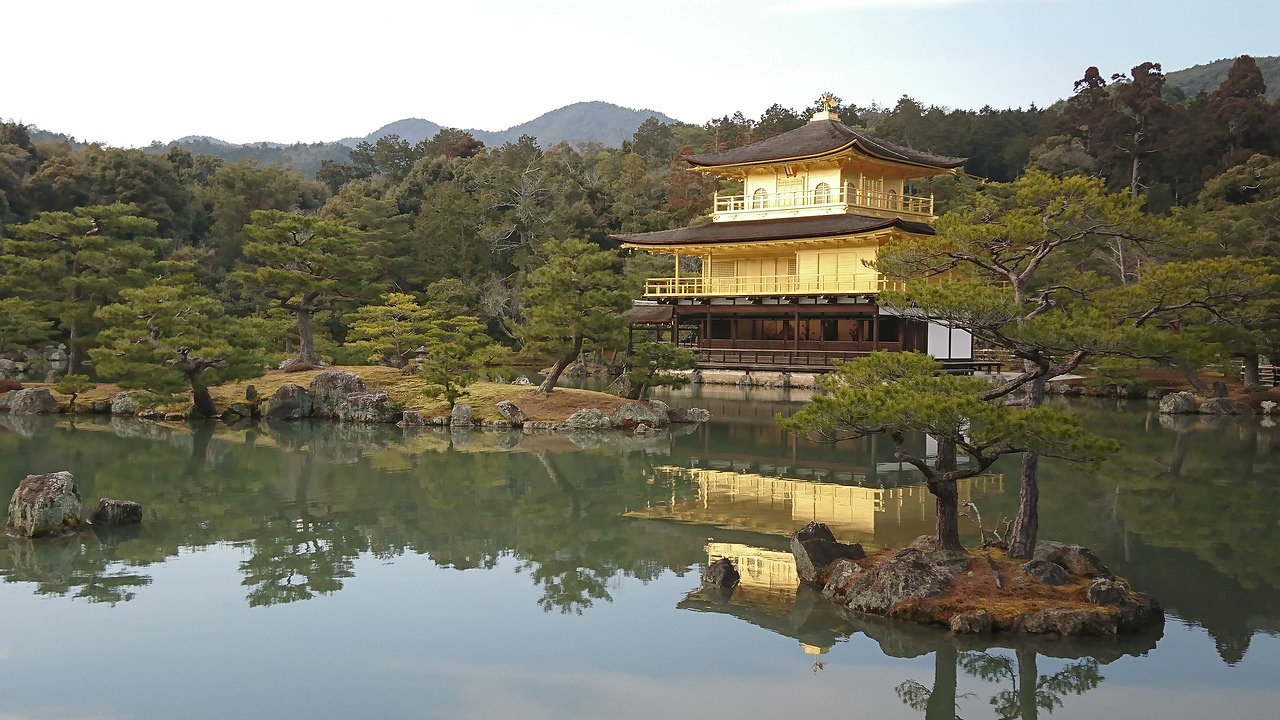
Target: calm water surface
pixel 323 571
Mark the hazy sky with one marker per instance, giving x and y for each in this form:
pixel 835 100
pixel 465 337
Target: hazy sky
pixel 127 72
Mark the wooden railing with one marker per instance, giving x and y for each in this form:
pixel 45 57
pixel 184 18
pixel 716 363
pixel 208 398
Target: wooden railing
pixel 768 285
pixel 841 197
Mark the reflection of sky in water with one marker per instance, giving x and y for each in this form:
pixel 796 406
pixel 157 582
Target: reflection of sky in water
pixel 408 638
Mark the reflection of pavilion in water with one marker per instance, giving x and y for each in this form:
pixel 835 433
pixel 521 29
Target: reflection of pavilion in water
pixel 777 506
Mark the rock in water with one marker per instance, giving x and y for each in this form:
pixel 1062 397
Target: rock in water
pixel 629 415
pixel 1079 561
pixel 910 574
pixel 124 403
pixel 370 407
pixel 1179 403
pixel 31 401
pixel 973 621
pixel 330 389
pixel 116 512
pixel 587 419
pixel 688 415
pixel 510 412
pixel 45 505
pixel 721 574
pixel 460 416
pixel 290 402
pixel 411 418
pixel 815 548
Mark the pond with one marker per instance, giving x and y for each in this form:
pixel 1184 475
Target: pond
pixel 329 571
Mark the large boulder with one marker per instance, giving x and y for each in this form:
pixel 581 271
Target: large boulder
pixel 1108 591
pixel 912 573
pixel 1065 621
pixel 290 402
pixel 369 407
pixel 1179 403
pixel 815 548
pixel 1049 573
pixel 1079 561
pixel 460 416
pixel 116 512
pixel 44 505
pixel 511 413
pixel 125 403
pixel 330 388
pixel 1223 406
pixel 972 622
pixel 5 399
pixel 688 415
pixel 629 415
pixel 31 401
pixel 587 419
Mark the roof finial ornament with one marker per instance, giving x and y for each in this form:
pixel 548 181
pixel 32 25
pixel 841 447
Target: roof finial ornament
pixel 829 103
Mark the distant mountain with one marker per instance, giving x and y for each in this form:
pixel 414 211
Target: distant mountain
pixel 1209 76
pixel 601 122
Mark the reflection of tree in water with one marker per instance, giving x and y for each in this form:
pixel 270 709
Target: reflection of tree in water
pixel 1186 511
pixel 1028 693
pixel 297 555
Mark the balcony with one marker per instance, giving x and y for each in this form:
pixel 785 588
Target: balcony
pixel 762 285
pixel 823 200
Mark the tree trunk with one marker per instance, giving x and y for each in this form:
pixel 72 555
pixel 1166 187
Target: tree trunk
pixel 553 376
pixel 306 339
pixel 1201 388
pixel 75 355
pixel 947 514
pixel 1026 524
pixel 201 399
pixel 947 498
pixel 1251 371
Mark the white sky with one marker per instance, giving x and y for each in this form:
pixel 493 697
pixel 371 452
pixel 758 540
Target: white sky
pixel 127 72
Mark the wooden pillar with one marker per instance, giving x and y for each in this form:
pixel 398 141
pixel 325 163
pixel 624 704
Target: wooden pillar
pixel 875 331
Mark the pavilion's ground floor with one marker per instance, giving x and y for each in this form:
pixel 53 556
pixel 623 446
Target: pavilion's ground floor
pixel 795 336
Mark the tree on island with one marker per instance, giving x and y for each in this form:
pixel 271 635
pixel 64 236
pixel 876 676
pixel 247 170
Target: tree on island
pixel 649 366
pixel 897 394
pixel 390 332
pixel 73 385
pixel 573 299
pixel 304 265
pixel 1013 270
pixel 454 352
pixel 171 335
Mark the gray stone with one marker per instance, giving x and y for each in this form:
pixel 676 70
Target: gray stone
pixel 8 368
pixel 290 402
pixel 460 416
pixel 1179 403
pixel 1059 621
pixel 840 577
pixel 125 403
pixel 688 415
pixel 1223 406
pixel 661 408
pixel 44 505
pixel 101 407
pixel 1108 591
pixel 972 622
pixel 330 388
pixel 815 548
pixel 369 407
pixel 542 426
pixel 240 409
pixel 5 399
pixel 629 415
pixel 1077 560
pixel 721 574
pixel 910 574
pixel 1049 573
pixel 511 413
pixel 31 401
pixel 587 419
pixel 116 512
pixel 411 418
pixel 521 380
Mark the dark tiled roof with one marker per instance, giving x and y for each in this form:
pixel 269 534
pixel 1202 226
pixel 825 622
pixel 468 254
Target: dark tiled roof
pixel 775 229
pixel 817 138
pixel 649 314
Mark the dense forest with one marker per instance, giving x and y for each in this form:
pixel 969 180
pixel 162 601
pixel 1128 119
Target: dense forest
pixel 286 261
